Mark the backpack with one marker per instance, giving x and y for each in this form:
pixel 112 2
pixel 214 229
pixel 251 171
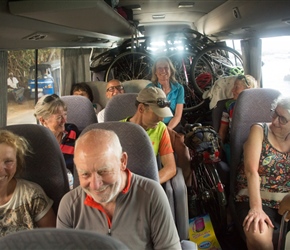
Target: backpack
pixel 204 143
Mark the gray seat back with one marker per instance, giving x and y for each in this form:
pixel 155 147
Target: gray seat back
pixel 59 239
pixel 137 144
pixel 80 111
pixel 45 165
pixel 217 114
pixel 120 107
pixel 252 106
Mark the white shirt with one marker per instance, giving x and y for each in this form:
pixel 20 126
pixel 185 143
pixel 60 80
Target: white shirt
pixel 12 82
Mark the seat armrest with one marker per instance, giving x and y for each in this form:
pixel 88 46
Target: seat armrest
pixel 180 204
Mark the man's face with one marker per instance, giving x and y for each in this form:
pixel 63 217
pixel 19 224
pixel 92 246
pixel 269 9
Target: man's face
pixel 114 88
pixel 100 173
pixel 150 119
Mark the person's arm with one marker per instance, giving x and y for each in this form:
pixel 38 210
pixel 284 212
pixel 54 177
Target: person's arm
pixel 48 220
pixel 176 117
pixel 285 206
pixel 223 131
pixel 168 169
pixel 252 152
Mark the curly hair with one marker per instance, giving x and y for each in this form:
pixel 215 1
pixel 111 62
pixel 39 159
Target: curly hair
pixel 282 101
pixel 18 143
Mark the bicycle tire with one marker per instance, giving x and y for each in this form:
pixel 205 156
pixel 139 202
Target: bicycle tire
pixel 182 64
pixel 212 194
pixel 216 60
pixel 129 66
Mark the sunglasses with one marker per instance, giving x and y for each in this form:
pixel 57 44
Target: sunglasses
pixel 282 120
pixel 242 77
pixel 112 88
pixel 50 98
pixel 161 102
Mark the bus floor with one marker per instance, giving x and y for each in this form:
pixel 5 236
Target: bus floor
pixel 231 240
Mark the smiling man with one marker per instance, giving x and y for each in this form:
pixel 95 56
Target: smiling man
pixel 112 200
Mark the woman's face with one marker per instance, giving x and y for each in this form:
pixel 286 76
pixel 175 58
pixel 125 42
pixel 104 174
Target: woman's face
pixel 8 164
pixel 56 121
pixel 163 71
pixel 280 119
pixel 239 86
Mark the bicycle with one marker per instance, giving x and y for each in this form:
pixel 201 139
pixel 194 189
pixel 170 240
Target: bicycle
pixel 206 195
pixel 199 56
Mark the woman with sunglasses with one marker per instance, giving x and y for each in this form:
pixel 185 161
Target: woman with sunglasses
pixel 51 112
pixel 263 178
pixel 241 83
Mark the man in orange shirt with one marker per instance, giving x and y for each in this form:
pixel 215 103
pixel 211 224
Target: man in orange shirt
pixel 152 107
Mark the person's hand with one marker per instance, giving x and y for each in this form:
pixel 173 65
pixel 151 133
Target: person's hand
pixel 285 206
pixel 256 219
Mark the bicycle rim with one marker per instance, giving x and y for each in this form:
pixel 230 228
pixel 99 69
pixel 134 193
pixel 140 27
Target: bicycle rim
pixel 129 66
pixel 216 60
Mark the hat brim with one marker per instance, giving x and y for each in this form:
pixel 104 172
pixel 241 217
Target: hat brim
pixel 161 112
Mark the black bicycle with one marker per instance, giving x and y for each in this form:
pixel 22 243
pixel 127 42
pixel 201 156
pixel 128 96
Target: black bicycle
pixel 206 195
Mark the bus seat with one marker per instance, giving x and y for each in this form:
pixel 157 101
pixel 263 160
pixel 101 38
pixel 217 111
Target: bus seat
pixel 252 106
pixel 80 111
pixel 136 143
pixel 217 114
pixel 45 165
pixel 59 239
pixel 122 106
pixel 135 86
pixel 99 89
pixel 99 92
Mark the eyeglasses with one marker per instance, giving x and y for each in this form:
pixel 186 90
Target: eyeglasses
pixel 50 98
pixel 282 120
pixel 161 102
pixel 119 88
pixel 241 77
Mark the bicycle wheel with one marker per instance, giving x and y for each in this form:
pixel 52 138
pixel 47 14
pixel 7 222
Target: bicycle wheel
pixel 216 61
pixel 212 194
pixel 129 66
pixel 182 64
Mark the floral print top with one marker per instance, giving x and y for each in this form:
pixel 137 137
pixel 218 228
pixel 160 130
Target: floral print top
pixel 274 172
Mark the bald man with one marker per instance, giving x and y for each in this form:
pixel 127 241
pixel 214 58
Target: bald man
pixel 114 87
pixel 114 201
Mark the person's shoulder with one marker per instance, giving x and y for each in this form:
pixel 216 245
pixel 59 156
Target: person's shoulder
pixel 151 84
pixel 27 184
pixel 69 127
pixel 75 195
pixel 230 102
pixel 146 184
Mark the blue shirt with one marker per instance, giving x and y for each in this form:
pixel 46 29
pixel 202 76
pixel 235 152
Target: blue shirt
pixel 175 96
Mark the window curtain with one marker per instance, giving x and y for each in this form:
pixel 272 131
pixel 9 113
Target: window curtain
pixel 3 87
pixel 75 68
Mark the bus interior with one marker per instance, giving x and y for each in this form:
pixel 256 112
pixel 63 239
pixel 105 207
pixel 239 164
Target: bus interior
pixel 93 40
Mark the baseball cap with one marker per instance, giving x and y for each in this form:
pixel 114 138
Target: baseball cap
pixel 156 99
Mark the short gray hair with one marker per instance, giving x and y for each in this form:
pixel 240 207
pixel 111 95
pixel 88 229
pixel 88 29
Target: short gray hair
pixel 45 109
pixel 282 101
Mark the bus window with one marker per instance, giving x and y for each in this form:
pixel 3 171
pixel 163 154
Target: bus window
pixel 21 64
pixel 276 63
